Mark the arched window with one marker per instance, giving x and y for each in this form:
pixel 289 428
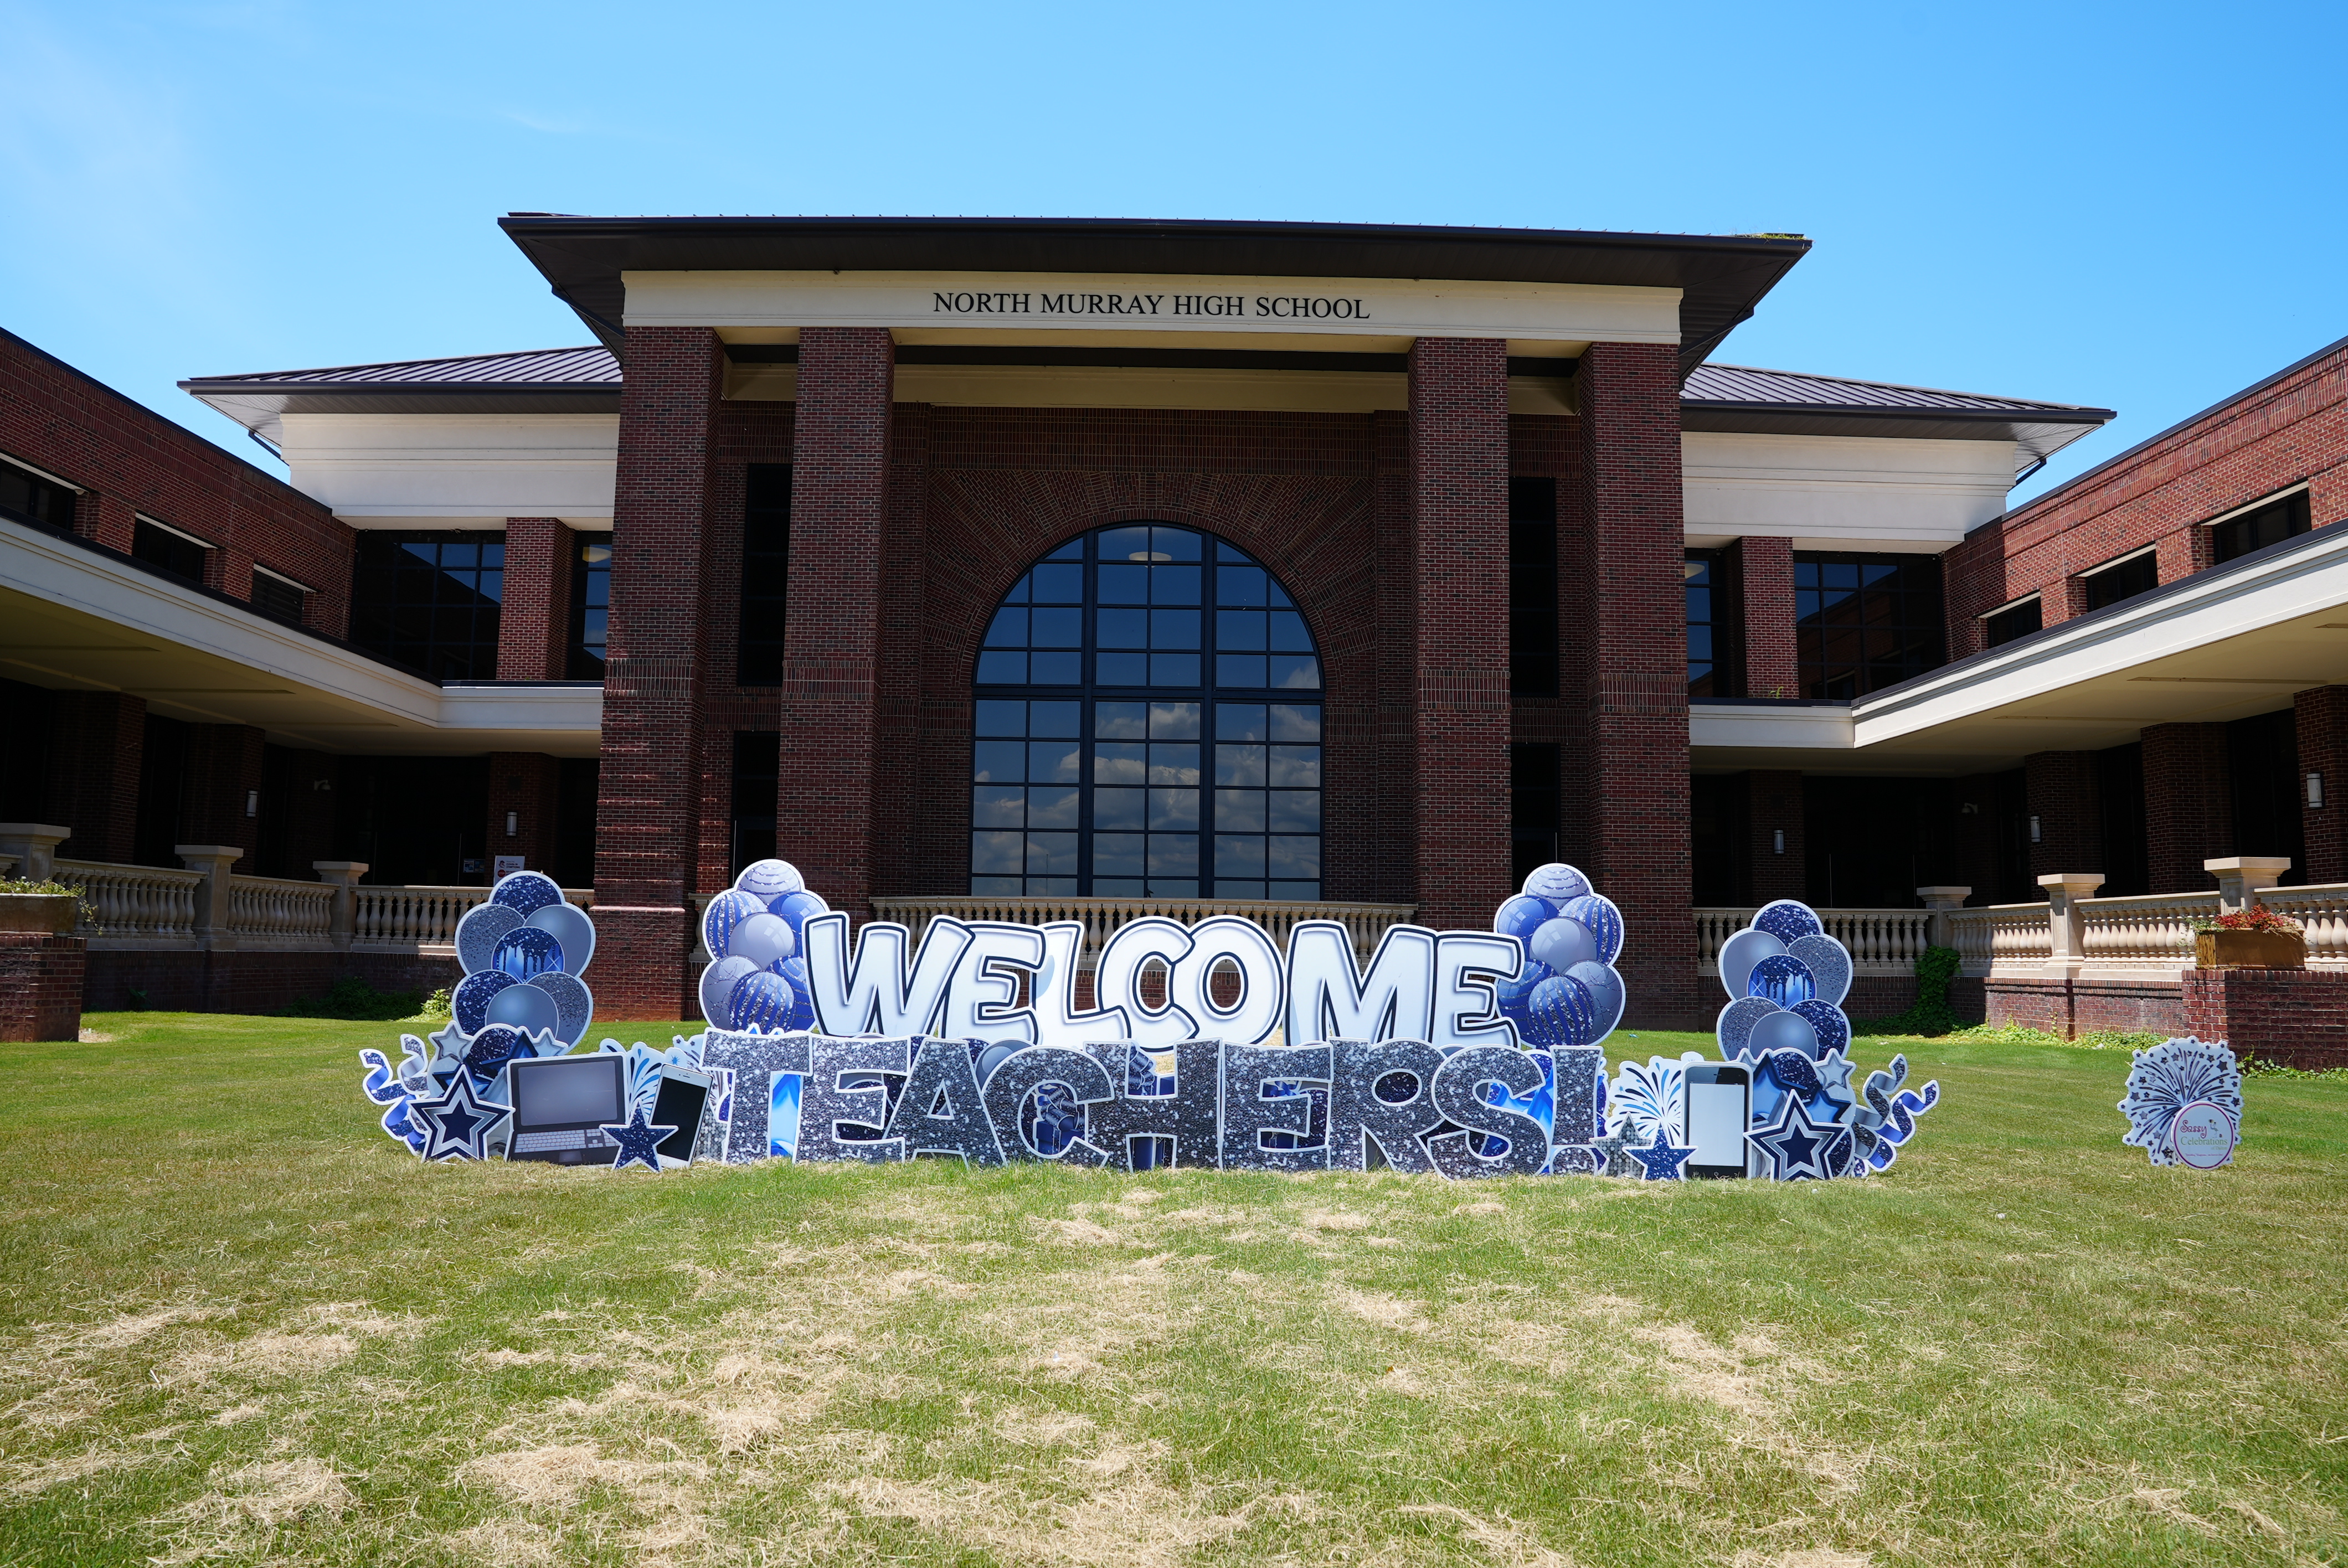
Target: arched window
pixel 1147 723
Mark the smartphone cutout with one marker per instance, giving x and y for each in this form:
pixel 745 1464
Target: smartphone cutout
pixel 1719 1109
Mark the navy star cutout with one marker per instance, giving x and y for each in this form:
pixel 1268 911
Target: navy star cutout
pixel 637 1141
pixel 457 1126
pixel 1663 1159
pixel 1795 1148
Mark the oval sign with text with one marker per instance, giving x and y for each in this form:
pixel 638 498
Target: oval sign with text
pixel 2203 1135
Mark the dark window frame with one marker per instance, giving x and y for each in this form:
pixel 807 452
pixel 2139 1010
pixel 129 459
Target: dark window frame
pixel 1864 622
pixel 407 607
pixel 269 596
pixel 2134 573
pixel 591 608
pixel 765 574
pixel 2004 624
pixel 170 549
pixel 755 790
pixel 29 495
pixel 2247 528
pixel 1532 587
pixel 1722 589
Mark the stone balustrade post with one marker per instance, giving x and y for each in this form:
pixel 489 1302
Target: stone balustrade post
pixel 1937 931
pixel 7 866
pixel 35 846
pixel 344 875
pixel 2241 877
pixel 212 898
pixel 2067 922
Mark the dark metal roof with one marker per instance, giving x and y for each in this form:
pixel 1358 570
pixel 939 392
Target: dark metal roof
pixel 534 380
pixel 1735 397
pixel 1722 277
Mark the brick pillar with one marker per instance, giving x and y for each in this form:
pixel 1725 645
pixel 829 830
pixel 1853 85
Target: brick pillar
pixel 2323 715
pixel 649 789
pixel 1459 509
pixel 223 770
pixel 2189 804
pixel 97 740
pixel 534 621
pixel 1634 766
pixel 1772 662
pixel 2064 599
pixel 41 981
pixel 1773 803
pixel 2062 790
pixel 839 483
pixel 527 785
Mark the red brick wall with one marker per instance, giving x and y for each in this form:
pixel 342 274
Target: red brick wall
pixel 534 621
pixel 2062 797
pixel 2323 724
pixel 649 802
pixel 528 785
pixel 131 460
pixel 2189 804
pixel 1459 513
pixel 2295 1017
pixel 224 765
pixel 40 985
pixel 96 742
pixel 1772 657
pixel 1632 775
pixel 1774 802
pixel 2260 442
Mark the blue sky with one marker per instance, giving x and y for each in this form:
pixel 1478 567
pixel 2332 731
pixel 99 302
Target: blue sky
pixel 2135 206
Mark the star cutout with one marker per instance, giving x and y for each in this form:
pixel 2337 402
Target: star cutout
pixel 1663 1159
pixel 1834 1074
pixel 1794 1147
pixel 457 1126
pixel 637 1141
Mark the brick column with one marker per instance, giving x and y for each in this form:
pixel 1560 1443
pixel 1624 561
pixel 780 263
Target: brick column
pixel 647 806
pixel 2323 715
pixel 2064 599
pixel 1772 662
pixel 1459 510
pixel 97 742
pixel 2189 804
pixel 1634 768
pixel 839 483
pixel 223 769
pixel 1773 802
pixel 534 621
pixel 2061 789
pixel 527 785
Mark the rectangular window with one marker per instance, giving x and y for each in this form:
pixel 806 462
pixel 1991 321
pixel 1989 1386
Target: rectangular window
pixel 2139 573
pixel 1532 587
pixel 757 779
pixel 30 497
pixel 1536 797
pixel 2015 621
pixel 1715 641
pixel 591 607
pixel 182 555
pixel 1864 622
pixel 430 601
pixel 765 573
pixel 279 597
pixel 2284 517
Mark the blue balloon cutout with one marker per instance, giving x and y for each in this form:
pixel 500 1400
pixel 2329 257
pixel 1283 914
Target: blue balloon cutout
pixel 1563 1012
pixel 1782 980
pixel 493 1048
pixel 1516 995
pixel 570 927
pixel 1521 915
pixel 763 1000
pixel 470 1004
pixel 525 1008
pixel 527 892
pixel 526 950
pixel 795 908
pixel 1605 922
pixel 726 911
pixel 1827 1022
pixel 1786 920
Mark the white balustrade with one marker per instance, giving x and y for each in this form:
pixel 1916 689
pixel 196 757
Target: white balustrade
pixel 2322 912
pixel 410 918
pixel 276 911
pixel 2146 935
pixel 1366 923
pixel 1882 941
pixel 141 906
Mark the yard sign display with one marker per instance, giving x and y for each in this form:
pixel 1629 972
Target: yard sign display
pixel 1457 1053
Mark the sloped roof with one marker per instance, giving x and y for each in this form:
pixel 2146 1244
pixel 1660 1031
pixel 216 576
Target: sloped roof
pixel 1735 397
pixel 536 367
pixel 532 381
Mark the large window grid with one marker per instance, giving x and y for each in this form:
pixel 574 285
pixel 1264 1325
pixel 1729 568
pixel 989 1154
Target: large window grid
pixel 1146 724
pixel 1866 622
pixel 765 573
pixel 590 607
pixel 1532 587
pixel 1716 643
pixel 430 601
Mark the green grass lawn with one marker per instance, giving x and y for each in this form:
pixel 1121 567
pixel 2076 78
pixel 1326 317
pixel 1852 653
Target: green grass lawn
pixel 240 1324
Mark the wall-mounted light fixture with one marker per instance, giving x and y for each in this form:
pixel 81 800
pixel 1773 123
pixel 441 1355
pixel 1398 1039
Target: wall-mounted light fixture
pixel 1780 837
pixel 2315 792
pixel 252 802
pixel 2034 830
pixel 513 825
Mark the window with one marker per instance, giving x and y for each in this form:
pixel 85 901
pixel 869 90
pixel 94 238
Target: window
pixel 277 597
pixel 1536 795
pixel 758 778
pixel 182 555
pixel 2139 573
pixel 1147 723
pixel 2014 622
pixel 590 607
pixel 429 602
pixel 2281 519
pixel 1716 646
pixel 1533 587
pixel 765 573
pixel 1865 622
pixel 29 497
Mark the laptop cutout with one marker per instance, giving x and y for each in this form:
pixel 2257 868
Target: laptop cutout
pixel 560 1106
pixel 683 1094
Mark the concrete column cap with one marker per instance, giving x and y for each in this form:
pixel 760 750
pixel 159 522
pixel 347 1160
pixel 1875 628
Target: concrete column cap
pixel 220 851
pixel 1944 892
pixel 332 868
pixel 2070 880
pixel 2252 863
pixel 56 833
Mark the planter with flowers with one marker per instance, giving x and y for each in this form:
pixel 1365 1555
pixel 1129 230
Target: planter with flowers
pixel 2252 938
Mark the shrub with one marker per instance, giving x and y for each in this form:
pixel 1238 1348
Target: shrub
pixel 1935 968
pixel 352 997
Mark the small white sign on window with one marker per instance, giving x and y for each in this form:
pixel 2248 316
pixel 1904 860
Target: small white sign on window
pixel 506 864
